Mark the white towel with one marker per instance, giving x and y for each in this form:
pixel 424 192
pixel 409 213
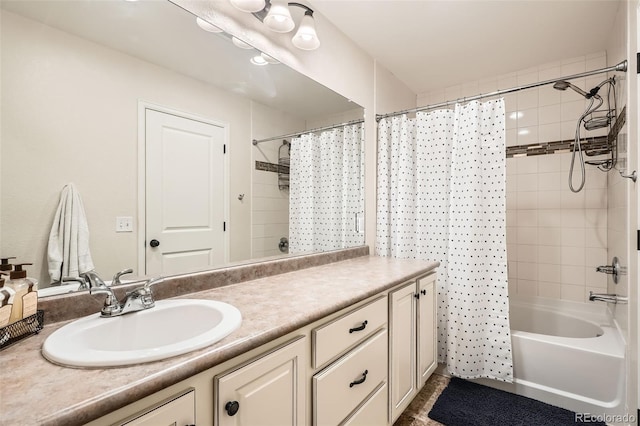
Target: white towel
pixel 68 251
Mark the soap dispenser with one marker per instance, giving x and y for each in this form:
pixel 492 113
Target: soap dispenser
pixel 6 298
pixel 19 283
pixel 5 266
pixel 11 293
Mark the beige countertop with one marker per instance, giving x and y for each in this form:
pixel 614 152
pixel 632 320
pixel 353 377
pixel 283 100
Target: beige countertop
pixel 35 391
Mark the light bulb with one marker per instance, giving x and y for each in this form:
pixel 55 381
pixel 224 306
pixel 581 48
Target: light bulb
pixel 241 44
pixel 279 18
pixel 250 6
pixel 207 26
pixel 306 37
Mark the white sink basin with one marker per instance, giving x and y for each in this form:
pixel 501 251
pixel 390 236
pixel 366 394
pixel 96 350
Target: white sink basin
pixel 172 327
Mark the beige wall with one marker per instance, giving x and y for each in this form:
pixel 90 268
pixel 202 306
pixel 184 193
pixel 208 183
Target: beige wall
pixel 85 105
pixel 623 204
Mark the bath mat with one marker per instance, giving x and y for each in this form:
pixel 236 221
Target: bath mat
pixel 463 403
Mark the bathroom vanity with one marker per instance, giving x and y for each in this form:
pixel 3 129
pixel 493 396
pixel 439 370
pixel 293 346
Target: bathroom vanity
pixel 322 345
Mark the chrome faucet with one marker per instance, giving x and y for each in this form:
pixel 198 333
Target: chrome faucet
pixel 93 280
pixel 136 300
pixel 609 298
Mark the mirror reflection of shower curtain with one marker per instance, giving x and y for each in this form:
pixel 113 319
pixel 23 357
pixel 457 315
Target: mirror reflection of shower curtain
pixel 326 192
pixel 441 197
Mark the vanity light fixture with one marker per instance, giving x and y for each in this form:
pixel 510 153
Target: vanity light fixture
pixel 207 26
pixel 259 60
pixel 276 15
pixel 306 37
pixel 279 18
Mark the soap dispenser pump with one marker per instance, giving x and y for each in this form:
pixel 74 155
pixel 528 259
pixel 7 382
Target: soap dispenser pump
pixel 19 283
pixel 5 265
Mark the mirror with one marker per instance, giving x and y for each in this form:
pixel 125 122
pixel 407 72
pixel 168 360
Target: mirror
pixel 78 78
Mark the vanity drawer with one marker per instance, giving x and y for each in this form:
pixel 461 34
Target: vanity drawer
pixel 343 386
pixel 335 337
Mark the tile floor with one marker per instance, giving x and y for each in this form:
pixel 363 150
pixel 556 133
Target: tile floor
pixel 417 412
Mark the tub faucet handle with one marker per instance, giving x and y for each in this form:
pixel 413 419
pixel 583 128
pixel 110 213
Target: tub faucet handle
pixel 613 269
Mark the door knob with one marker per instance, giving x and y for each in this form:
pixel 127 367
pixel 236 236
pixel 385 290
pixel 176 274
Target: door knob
pixel 154 243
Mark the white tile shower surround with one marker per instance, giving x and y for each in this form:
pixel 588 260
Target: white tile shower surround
pixel 270 205
pixel 555 238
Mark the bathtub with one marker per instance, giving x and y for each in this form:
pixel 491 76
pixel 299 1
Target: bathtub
pixel 566 354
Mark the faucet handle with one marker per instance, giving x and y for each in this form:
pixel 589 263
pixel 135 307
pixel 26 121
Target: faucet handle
pixel 116 277
pixel 153 281
pixel 143 294
pixel 111 304
pixel 83 282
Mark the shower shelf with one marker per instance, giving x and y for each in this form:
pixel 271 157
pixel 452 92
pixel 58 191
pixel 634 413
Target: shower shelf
pixel 283 165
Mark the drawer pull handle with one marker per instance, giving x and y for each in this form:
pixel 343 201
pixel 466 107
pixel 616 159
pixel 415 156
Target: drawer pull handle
pixel 360 328
pixel 232 407
pixel 359 381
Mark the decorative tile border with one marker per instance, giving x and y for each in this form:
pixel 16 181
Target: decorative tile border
pixel 271 167
pixel 591 146
pixel 594 146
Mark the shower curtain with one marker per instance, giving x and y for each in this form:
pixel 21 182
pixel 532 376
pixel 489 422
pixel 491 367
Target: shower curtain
pixel 326 190
pixel 441 197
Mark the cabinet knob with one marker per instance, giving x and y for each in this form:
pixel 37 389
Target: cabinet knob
pixel 417 295
pixel 232 407
pixel 424 292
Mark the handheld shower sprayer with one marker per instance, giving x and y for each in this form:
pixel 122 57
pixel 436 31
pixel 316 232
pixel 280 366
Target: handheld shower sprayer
pixel 589 124
pixel 564 85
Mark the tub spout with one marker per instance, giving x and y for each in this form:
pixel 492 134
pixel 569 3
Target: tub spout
pixel 609 298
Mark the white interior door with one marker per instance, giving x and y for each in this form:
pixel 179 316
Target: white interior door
pixel 185 202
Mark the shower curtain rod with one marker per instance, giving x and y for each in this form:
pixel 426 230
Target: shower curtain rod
pixel 621 67
pixel 297 134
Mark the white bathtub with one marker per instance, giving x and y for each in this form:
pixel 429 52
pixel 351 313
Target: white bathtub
pixel 566 354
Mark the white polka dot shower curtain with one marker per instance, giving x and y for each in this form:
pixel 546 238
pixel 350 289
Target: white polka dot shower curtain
pixel 441 197
pixel 326 190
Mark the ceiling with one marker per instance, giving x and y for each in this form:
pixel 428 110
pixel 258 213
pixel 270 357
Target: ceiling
pixel 434 44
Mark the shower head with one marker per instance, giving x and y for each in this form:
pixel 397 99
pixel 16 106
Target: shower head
pixel 563 85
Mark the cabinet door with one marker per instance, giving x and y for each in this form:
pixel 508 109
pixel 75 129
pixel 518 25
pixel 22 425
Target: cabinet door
pixel 402 352
pixel 267 391
pixel 426 333
pixel 179 411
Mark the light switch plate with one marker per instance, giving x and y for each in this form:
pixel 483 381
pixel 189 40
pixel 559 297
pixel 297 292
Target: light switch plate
pixel 124 224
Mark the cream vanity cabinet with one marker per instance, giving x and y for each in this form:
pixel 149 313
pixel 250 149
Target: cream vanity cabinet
pixel 359 366
pixel 412 340
pixel 269 390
